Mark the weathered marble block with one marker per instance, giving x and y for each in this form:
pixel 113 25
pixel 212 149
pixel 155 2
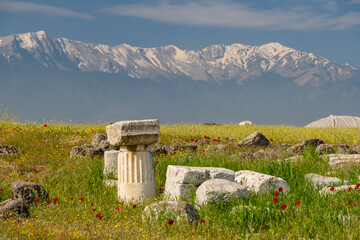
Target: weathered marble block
pixel 111 162
pixel 323 181
pixel 219 189
pixel 182 181
pixel 137 132
pixel 260 183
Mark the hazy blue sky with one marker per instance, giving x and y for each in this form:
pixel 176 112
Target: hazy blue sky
pixel 329 28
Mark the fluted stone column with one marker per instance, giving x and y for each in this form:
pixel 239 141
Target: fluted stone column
pixel 136 168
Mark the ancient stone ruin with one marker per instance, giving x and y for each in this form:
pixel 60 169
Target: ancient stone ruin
pixel 136 169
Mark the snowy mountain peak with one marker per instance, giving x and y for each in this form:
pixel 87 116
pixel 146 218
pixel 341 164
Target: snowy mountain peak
pixel 213 63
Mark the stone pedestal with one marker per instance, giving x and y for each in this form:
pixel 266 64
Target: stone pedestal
pixel 110 163
pixel 136 168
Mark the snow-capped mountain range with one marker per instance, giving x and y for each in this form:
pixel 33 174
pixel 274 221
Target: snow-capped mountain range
pixel 214 63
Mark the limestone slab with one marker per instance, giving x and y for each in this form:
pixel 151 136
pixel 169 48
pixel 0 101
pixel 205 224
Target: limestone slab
pixel 323 181
pixel 343 160
pixel 217 189
pixel 136 132
pixel 110 163
pixel 259 182
pixel 176 191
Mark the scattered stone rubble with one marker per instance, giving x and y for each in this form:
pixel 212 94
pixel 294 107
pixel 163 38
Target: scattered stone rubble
pixel 7 150
pixel 323 181
pixel 24 195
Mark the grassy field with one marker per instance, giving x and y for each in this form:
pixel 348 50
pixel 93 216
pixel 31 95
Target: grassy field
pixel 82 197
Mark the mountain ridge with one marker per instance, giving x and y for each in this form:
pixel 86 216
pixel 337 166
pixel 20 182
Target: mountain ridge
pixel 217 62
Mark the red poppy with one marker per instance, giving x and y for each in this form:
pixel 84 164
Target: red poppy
pixel 227 138
pixel 297 203
pixel 187 140
pixel 72 198
pixel 134 206
pixel 196 140
pixel 192 139
pixel 1 189
pixel 350 189
pixel 94 209
pixel 275 200
pixel 331 202
pixel 211 210
pixel 37 200
pixel 26 180
pixel 202 222
pixel 276 194
pixel 157 162
pixel 48 201
pixel 239 145
pixel 99 216
pixel 45 125
pixel 349 202
pixel 241 169
pixel 171 222
pixel 280 189
pixel 82 199
pixel 356 203
pixel 271 140
pixel 22 152
pixel 117 208
pixel 57 182
pixel 332 189
pixel 284 206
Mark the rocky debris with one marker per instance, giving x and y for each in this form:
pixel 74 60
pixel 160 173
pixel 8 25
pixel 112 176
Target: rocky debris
pixel 271 154
pixel 181 211
pixel 137 132
pixel 7 150
pixel 298 148
pixel 332 148
pixel 343 160
pixel 216 148
pixel 260 183
pixel 333 190
pixel 13 208
pixel 24 194
pixel 182 181
pixel 86 151
pixel 246 156
pixel 111 163
pixel 217 189
pixel 97 138
pixel 166 149
pixel 245 123
pixel 254 140
pixel 356 149
pixel 323 181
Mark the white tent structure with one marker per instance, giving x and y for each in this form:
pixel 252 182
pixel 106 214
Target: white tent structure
pixel 336 121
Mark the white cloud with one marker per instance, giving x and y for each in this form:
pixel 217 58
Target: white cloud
pixel 19 6
pixel 228 13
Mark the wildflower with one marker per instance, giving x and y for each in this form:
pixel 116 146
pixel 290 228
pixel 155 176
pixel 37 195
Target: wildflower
pixel 187 140
pixel 271 140
pixel 239 145
pixel 94 209
pixel 55 200
pixel 26 180
pixel 45 125
pixel 72 198
pixel 276 194
pixel 349 202
pixel 356 203
pixel 117 208
pixel 22 152
pixel 57 182
pixel 297 203
pixel 275 200
pixel 157 162
pixel 1 189
pixel 211 210
pixel 284 206
pixel 99 216
pixel 196 140
pixel 350 189
pixel 331 202
pixel 280 189
pixel 37 200
pixel 192 139
pixel 332 189
pixel 171 222
pixel 48 201
pixel 134 206
pixel 202 222
pixel 82 199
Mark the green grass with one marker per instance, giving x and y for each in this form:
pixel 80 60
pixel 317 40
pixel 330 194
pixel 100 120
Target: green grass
pixel 46 160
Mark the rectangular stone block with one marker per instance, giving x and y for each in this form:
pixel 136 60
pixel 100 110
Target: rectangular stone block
pixel 196 175
pixel 136 132
pixel 175 191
